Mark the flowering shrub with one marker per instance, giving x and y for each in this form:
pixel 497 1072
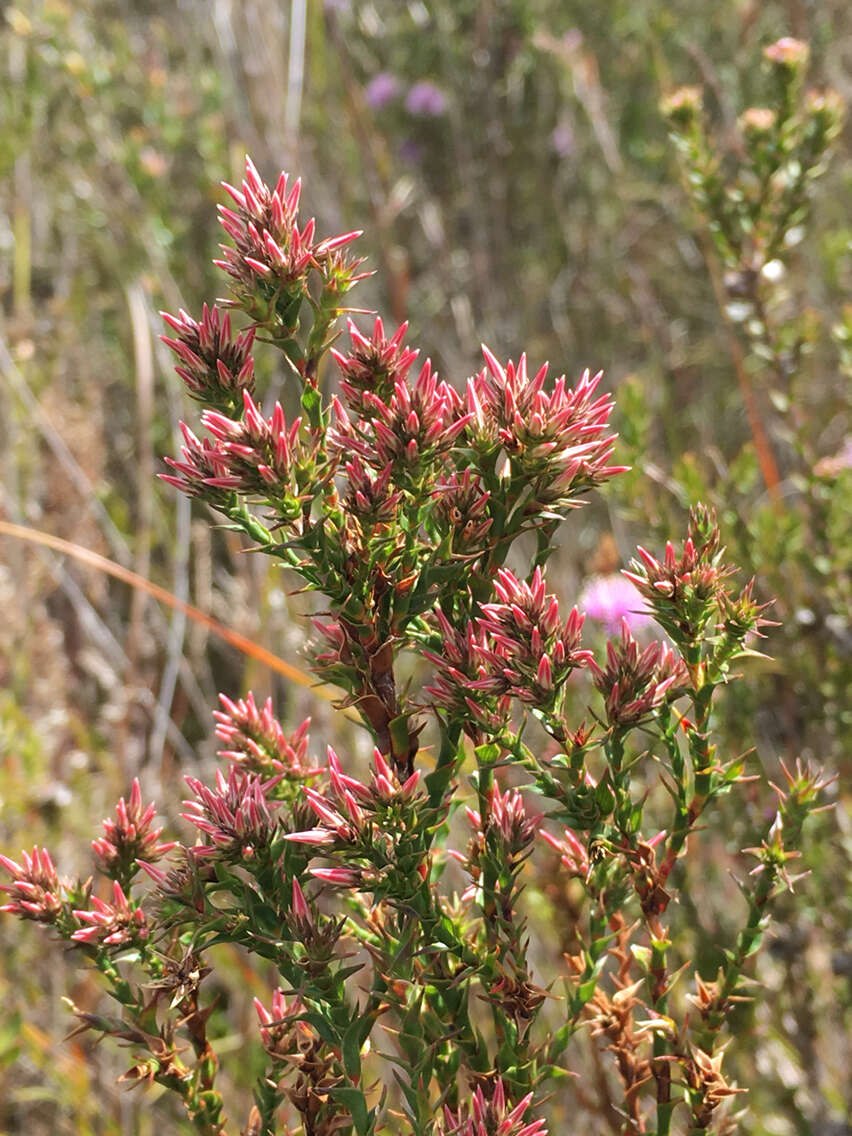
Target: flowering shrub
pixel 425 518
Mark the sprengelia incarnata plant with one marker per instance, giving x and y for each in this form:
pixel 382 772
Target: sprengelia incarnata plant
pixel 405 997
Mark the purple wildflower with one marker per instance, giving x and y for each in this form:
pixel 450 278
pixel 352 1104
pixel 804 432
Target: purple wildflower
pixel 410 151
pixel 382 89
pixel 610 599
pixel 426 99
pixel 834 465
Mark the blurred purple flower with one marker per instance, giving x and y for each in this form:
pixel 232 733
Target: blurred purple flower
pixel 609 599
pixel 426 99
pixel 562 138
pixel 382 89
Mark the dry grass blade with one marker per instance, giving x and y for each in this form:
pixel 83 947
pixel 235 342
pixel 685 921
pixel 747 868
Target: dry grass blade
pixel 119 572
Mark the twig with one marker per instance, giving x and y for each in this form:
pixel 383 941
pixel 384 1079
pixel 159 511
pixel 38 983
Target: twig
pixel 765 457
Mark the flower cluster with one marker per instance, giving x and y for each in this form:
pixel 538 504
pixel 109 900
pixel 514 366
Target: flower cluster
pixel 682 106
pixel 200 470
pixel 112 924
pixel 256 742
pixel 347 820
pixel 506 818
pixel 393 423
pixel 468 683
pixel 371 496
pixel 519 647
pixel 271 252
pixel 294 1044
pixel 236 815
pixel 35 887
pixel 215 365
pixel 263 454
pixel 742 615
pixel 415 428
pixel 348 791
pixel 254 455
pixel 787 53
pixel 636 682
pixel 481 1116
pixel 557 441
pixel 130 837
pixel 278 1025
pixel 373 366
pixel 461 509
pixel 683 592
pixel 573 854
pixel 537 651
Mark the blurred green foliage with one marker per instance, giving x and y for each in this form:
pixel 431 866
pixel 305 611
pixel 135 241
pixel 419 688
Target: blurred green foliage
pixel 542 208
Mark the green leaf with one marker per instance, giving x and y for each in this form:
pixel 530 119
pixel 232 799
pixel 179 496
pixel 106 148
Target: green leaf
pixel 312 406
pixel 351 1047
pixel 399 733
pixel 354 1100
pixel 604 798
pixel 585 991
pixel 321 1026
pixel 438 781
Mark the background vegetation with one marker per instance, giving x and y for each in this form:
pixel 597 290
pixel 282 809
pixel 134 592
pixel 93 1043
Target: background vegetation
pixel 513 172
